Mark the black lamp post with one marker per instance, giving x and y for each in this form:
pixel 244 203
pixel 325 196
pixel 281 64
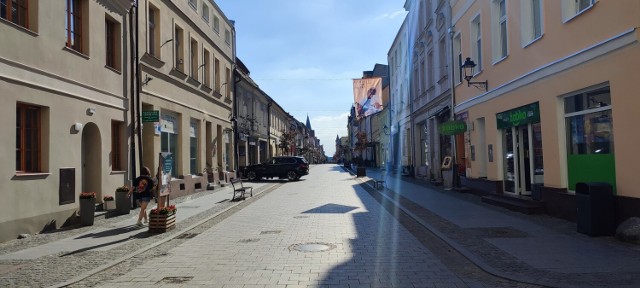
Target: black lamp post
pixel 467 68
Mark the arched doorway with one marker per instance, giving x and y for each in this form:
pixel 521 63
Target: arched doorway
pixel 91 160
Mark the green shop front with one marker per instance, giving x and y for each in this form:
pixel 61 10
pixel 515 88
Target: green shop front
pixel 522 157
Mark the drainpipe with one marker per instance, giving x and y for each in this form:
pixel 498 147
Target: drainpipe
pixel 454 152
pixel 138 103
pixel 134 120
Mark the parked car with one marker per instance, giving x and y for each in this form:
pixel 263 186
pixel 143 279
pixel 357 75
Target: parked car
pixel 289 167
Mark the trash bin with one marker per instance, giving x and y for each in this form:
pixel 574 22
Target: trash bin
pixel 535 191
pixel 596 208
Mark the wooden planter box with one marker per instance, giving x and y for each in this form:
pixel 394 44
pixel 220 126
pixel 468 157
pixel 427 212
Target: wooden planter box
pixel 159 223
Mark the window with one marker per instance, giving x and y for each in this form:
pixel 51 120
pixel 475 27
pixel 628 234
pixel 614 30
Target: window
pixel 571 8
pixel 216 24
pixel 112 44
pixel 227 78
pixel 28 138
pixel 442 57
pixel 430 70
pixel 531 15
pixel 193 147
pixel 205 12
pixel 589 122
pixel 169 132
pixel 206 77
pixel 422 87
pixel 457 48
pixel 117 149
pixel 179 51
pixel 194 59
pixel 193 4
pixel 216 74
pixel 154 32
pixel 582 5
pixel 74 25
pixel 499 30
pixel 227 37
pixel 476 43
pixel 15 11
pixel 536 12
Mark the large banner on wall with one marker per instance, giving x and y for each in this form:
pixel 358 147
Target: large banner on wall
pixel 367 94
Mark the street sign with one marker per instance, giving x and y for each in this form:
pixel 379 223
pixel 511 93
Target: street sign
pixel 150 116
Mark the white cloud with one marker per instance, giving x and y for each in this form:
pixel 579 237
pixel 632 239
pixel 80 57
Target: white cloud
pixel 392 15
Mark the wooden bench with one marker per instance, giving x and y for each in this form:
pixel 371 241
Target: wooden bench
pixel 239 188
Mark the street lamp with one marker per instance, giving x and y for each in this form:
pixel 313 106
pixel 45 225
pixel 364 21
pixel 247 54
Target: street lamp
pixel 468 67
pixel 385 129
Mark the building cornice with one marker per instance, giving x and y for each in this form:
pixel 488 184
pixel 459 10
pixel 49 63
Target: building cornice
pixel 581 57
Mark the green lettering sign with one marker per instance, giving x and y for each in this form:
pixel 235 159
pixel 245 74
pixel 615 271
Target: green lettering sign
pixel 519 116
pixel 452 127
pixel 150 116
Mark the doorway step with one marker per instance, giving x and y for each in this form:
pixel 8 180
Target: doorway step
pixel 524 205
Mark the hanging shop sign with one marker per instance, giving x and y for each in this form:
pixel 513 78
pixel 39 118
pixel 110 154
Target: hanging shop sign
pixel 452 127
pixel 519 116
pixel 150 116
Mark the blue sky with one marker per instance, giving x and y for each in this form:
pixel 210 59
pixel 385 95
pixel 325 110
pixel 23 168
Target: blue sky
pixel 305 53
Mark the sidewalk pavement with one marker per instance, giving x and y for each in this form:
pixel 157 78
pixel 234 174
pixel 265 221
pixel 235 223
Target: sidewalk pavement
pixel 111 235
pixel 536 249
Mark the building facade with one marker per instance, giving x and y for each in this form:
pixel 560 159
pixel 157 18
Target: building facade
pixel 557 75
pixel 430 85
pixel 187 49
pixel 67 105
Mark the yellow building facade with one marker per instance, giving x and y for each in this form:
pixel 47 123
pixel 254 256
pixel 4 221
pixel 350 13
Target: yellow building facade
pixel 559 103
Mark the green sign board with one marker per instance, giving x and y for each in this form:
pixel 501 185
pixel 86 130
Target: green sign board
pixel 453 127
pixel 519 116
pixel 150 116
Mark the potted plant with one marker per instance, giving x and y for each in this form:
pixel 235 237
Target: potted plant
pixel 162 219
pixel 123 202
pixel 108 202
pixel 87 208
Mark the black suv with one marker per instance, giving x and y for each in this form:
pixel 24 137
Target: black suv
pixel 290 167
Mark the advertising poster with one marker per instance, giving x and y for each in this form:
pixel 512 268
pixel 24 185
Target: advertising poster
pixel 367 95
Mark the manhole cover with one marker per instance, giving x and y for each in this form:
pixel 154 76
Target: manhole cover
pixel 186 236
pixel 312 247
pixel 175 280
pixel 248 240
pixel 270 232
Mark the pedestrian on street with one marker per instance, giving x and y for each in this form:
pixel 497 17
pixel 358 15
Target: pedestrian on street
pixel 142 190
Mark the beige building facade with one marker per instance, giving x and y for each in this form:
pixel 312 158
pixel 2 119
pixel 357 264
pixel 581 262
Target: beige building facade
pixel 559 107
pixel 62 80
pixel 187 59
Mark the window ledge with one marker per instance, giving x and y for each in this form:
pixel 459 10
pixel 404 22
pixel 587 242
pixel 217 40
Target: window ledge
pixel 31 174
pixel 206 88
pixel 116 172
pixel 113 69
pixel 581 12
pixel 534 40
pixel 85 56
pixel 500 60
pixel 152 60
pixel 19 27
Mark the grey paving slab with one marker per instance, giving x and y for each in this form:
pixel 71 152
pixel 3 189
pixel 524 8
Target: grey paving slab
pixel 368 247
pixel 569 259
pixel 106 238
